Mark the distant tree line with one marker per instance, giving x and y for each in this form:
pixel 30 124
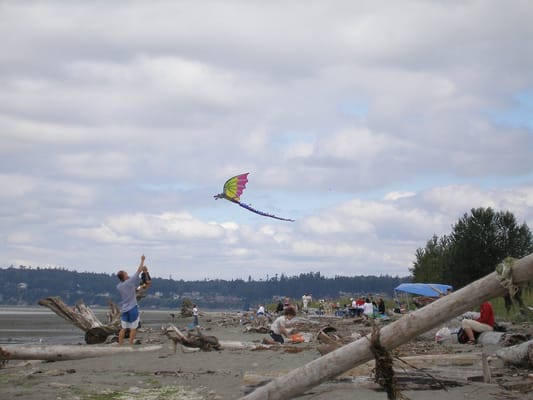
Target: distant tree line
pixel 478 242
pixel 26 286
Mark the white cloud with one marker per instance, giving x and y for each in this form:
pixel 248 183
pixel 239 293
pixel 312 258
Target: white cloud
pixel 393 196
pixel 375 127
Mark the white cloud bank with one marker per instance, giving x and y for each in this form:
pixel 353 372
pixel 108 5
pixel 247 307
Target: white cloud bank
pixel 374 125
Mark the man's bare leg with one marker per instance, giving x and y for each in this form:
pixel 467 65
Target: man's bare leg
pixel 121 335
pixel 132 336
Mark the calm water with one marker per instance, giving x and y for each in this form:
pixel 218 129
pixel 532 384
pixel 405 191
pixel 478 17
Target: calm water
pixel 33 325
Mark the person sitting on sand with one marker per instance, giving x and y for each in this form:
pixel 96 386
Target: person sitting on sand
pixel 484 323
pixel 278 329
pixel 368 309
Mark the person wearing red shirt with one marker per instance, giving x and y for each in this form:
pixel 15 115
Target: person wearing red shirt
pixel 484 323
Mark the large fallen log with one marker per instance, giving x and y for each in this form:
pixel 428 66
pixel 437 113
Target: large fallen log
pixel 422 361
pixel 411 380
pixel 84 318
pixel 297 381
pixel 66 352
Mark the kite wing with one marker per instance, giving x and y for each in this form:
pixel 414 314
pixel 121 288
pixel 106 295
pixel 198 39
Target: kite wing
pixel 234 187
pixel 232 191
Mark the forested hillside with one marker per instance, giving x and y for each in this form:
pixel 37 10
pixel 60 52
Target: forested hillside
pixel 26 286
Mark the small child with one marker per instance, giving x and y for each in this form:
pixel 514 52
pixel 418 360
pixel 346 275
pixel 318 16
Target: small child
pixel 146 281
pixel 278 329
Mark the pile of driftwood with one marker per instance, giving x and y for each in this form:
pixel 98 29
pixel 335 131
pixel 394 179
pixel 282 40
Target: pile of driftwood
pixel 334 363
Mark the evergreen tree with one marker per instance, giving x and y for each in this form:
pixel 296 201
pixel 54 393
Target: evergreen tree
pixel 431 265
pixel 477 244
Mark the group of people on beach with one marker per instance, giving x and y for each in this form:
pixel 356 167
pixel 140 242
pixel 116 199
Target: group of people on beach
pixel 129 286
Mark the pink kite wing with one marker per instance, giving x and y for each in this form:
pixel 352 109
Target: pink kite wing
pixel 234 187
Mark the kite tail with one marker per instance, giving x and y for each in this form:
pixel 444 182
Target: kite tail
pixel 261 212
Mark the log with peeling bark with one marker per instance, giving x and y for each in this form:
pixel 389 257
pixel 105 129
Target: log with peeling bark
pixel 411 325
pixel 178 337
pixel 84 318
pixel 66 352
pixel 504 339
pixel 519 355
pixel 193 338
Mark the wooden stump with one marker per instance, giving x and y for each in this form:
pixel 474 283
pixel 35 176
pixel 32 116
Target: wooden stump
pixel 85 319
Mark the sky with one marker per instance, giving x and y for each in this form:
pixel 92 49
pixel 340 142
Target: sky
pixel 374 124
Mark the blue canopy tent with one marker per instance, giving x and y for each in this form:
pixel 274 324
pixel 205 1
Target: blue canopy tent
pixel 422 289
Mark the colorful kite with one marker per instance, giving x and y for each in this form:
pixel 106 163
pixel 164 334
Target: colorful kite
pixel 232 191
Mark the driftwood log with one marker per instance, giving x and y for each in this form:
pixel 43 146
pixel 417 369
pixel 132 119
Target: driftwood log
pixel 84 318
pixel 66 352
pixel 411 325
pixel 419 361
pixel 520 355
pixel 193 338
pixel 360 376
pixel 504 339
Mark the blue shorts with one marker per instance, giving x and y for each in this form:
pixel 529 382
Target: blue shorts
pixel 130 318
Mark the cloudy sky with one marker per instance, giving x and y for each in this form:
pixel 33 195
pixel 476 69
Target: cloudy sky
pixel 373 124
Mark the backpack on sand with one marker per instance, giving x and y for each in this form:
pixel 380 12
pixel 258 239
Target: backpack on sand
pixel 462 337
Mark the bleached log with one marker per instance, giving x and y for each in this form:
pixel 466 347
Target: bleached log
pixel 192 339
pixel 423 361
pixel 66 352
pixel 80 315
pixel 362 376
pixel 518 355
pixel 503 339
pixel 84 318
pixel 173 333
pixel 490 337
pixel 238 345
pixel 397 333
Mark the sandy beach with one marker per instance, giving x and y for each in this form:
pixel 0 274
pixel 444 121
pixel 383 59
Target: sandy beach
pixel 163 374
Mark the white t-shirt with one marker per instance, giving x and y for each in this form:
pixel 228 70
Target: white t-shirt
pixel 368 309
pixel 278 324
